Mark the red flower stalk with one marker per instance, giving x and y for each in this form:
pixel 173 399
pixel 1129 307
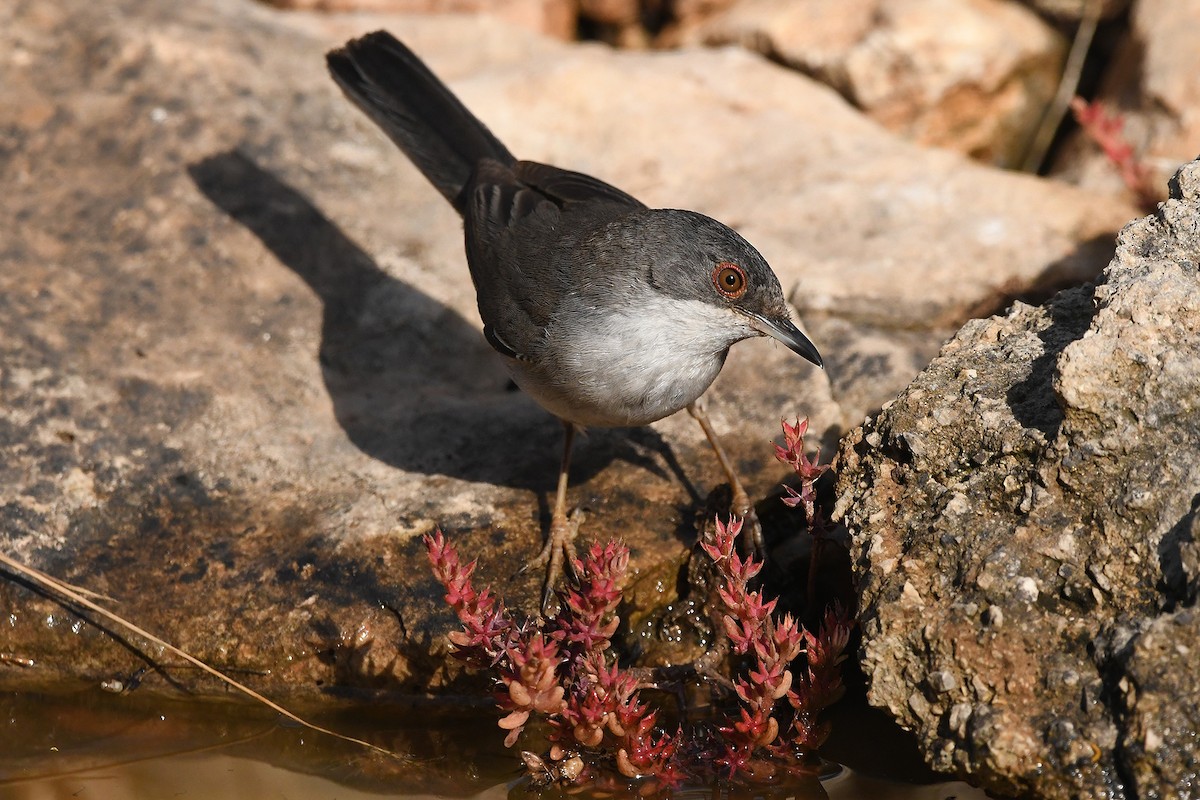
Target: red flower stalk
pixel 808 470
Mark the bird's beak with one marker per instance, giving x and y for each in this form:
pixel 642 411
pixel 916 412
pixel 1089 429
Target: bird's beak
pixel 785 331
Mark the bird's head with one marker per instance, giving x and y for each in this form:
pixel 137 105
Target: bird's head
pixel 705 261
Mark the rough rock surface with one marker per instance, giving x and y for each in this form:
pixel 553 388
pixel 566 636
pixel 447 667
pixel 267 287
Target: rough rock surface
pixel 240 366
pixel 1153 84
pixel 1075 9
pixel 1156 699
pixel 557 18
pixel 973 76
pixel 1024 519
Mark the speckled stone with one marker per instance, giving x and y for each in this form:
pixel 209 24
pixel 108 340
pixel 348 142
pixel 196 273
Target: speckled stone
pixel 1073 430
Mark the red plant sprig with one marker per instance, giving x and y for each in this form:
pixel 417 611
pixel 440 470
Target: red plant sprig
pixel 808 470
pixel 774 643
pixel 751 630
pixel 819 684
pixel 791 452
pixel 488 632
pixel 530 684
pixel 1107 129
pixel 558 668
pixel 586 619
pixel 525 661
pixel 605 711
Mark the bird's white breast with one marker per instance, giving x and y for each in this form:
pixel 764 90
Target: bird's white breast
pixel 631 365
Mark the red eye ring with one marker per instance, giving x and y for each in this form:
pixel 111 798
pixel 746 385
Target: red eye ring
pixel 730 280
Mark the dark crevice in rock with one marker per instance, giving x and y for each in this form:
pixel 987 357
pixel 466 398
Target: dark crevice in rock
pixel 1032 400
pixel 1179 559
pixel 1111 652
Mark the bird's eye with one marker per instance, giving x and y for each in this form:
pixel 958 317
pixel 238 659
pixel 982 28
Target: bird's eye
pixel 729 279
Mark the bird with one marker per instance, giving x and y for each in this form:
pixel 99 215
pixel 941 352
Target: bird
pixel 606 312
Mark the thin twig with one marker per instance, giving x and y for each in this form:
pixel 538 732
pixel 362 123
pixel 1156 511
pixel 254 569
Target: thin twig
pixel 1067 87
pixel 76 597
pixel 33 572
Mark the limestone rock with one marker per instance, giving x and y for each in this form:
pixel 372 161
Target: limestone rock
pixel 557 18
pixel 1023 519
pixel 973 76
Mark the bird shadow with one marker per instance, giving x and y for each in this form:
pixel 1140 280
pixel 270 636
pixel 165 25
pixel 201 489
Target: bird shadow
pixel 413 383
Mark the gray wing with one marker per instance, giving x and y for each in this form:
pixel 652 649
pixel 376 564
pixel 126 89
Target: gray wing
pixel 564 187
pixel 524 225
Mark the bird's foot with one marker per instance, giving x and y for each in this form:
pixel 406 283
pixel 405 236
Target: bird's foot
pixel 558 555
pixel 752 536
pixel 753 543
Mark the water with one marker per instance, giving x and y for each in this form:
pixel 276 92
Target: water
pixel 89 744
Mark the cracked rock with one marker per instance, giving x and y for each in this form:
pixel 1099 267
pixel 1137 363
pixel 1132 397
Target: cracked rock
pixel 1073 431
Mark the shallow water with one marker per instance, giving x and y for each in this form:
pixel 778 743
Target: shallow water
pixel 94 745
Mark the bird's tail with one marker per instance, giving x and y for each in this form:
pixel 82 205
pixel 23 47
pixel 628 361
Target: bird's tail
pixel 435 130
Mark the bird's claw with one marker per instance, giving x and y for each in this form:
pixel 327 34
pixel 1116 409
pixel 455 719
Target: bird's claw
pixel 752 535
pixel 558 554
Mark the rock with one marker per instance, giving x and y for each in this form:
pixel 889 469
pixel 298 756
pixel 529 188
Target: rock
pixel 1023 520
pixel 241 366
pixel 1153 85
pixel 618 22
pixel 1074 10
pixel 971 76
pixel 688 12
pixel 612 12
pixel 1155 691
pixel 557 18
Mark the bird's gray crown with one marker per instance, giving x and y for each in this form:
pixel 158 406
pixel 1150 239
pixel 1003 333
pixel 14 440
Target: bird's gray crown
pixel 687 250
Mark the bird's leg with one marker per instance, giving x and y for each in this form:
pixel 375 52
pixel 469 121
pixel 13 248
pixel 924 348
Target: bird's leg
pixel 740 505
pixel 560 542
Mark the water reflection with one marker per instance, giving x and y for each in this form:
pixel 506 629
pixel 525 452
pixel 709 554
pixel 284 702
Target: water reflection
pixel 96 745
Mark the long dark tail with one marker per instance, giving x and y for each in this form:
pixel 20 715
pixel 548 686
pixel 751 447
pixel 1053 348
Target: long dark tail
pixel 434 129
